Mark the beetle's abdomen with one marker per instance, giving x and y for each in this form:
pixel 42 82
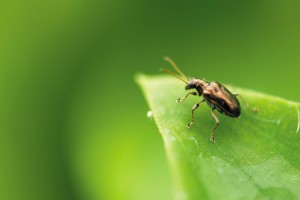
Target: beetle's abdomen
pixel 219 97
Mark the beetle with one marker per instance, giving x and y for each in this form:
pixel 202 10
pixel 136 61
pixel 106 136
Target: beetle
pixel 216 96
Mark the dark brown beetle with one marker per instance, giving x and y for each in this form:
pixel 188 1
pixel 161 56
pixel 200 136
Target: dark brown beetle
pixel 214 94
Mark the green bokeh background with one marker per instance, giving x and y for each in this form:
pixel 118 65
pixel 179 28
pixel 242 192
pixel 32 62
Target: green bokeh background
pixel 73 123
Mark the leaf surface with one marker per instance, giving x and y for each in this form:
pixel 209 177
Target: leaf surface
pixel 256 156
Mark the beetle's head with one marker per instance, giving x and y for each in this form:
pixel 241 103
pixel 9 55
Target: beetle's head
pixel 195 84
pixel 191 84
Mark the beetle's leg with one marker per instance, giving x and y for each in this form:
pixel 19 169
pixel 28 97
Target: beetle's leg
pixel 212 138
pixel 254 109
pixel 181 100
pixel 193 109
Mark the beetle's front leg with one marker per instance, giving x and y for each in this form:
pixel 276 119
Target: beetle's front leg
pixel 181 100
pixel 193 109
pixel 252 109
pixel 212 137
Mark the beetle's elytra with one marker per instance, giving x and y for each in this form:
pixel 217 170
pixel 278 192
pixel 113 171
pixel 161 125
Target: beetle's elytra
pixel 214 94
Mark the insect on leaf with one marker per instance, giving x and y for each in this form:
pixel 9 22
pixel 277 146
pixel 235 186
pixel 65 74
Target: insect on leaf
pixel 256 156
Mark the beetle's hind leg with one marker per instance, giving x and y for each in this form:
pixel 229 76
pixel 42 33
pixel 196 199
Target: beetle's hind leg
pixel 252 109
pixel 181 100
pixel 212 137
pixel 193 109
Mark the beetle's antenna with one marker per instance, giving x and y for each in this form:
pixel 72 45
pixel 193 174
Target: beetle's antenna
pixel 173 74
pixel 169 60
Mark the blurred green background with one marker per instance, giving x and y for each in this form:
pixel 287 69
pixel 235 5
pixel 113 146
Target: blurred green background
pixel 73 122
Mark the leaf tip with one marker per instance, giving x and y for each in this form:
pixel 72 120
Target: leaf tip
pixel 139 78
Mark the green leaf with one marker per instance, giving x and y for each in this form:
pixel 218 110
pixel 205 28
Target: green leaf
pixel 256 156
